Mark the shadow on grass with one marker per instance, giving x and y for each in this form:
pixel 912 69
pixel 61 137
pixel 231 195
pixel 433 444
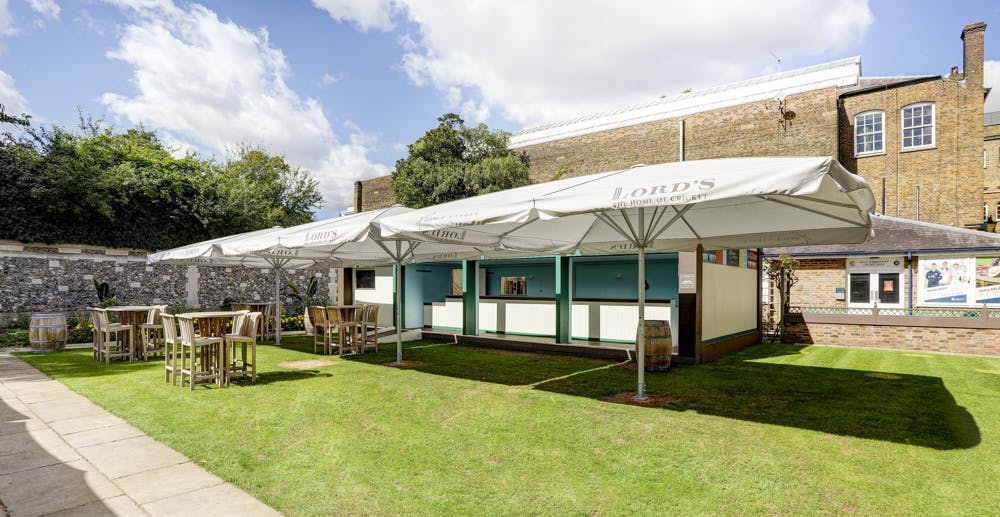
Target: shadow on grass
pixel 266 378
pixel 911 409
pixel 481 364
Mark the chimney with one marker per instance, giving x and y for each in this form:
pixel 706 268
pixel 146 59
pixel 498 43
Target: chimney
pixel 357 196
pixel 955 75
pixel 972 57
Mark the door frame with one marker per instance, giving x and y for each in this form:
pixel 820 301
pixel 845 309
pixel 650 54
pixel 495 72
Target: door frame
pixel 875 265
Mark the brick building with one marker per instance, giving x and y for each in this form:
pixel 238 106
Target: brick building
pixel 918 140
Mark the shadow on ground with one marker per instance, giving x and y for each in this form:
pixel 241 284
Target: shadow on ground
pixel 910 409
pixel 33 481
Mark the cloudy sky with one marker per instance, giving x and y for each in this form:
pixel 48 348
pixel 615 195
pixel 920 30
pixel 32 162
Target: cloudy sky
pixel 340 87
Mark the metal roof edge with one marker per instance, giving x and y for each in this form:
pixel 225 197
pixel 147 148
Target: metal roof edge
pixel 835 73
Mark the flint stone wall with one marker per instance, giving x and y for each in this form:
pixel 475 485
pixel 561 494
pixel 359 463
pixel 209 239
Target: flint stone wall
pixel 43 278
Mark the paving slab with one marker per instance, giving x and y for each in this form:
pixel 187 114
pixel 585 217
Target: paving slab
pixel 131 456
pixel 19 425
pixel 52 410
pixel 112 433
pixel 53 488
pixel 218 501
pixel 88 422
pixel 44 438
pixel 153 485
pixel 120 506
pixel 61 454
pixel 30 396
pixel 35 458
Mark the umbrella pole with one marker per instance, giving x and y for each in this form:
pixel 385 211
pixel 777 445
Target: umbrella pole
pixel 398 305
pixel 277 306
pixel 640 355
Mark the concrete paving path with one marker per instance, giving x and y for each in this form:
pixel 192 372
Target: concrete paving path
pixel 60 454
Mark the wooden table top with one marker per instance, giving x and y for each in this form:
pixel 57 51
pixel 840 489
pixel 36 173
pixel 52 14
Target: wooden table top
pixel 210 314
pixel 128 308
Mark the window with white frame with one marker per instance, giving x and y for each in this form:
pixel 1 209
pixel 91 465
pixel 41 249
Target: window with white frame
pixel 869 133
pixel 996 216
pixel 918 125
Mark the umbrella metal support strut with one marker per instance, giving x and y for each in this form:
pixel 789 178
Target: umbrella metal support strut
pixel 399 314
pixel 640 355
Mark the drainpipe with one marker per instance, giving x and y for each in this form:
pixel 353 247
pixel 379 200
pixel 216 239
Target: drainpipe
pixel 909 283
pixel 680 140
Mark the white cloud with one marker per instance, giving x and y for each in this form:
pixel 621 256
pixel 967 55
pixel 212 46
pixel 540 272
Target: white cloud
pixel 211 84
pixel 991 77
pixel 47 8
pixel 329 79
pixel 7 26
pixel 367 14
pixel 13 102
pixel 535 62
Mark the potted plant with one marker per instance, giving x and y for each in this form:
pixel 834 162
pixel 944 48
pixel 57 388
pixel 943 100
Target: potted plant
pixel 105 294
pixel 306 297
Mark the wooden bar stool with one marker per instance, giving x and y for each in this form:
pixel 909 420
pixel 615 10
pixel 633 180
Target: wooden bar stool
pixel 169 348
pixel 245 329
pixel 346 331
pixel 321 329
pixel 152 332
pixel 122 337
pixel 201 357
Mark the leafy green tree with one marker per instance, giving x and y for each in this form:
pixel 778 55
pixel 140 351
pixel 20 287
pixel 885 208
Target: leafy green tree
pixel 453 161
pixel 126 189
pixel 264 190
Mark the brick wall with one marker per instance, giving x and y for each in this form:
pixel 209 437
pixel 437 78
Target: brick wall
pixel 374 193
pixel 949 175
pixel 991 166
pixel 753 129
pixel 917 339
pixel 818 280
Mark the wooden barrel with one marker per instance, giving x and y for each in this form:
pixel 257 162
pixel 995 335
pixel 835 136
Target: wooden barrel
pixel 659 346
pixel 47 333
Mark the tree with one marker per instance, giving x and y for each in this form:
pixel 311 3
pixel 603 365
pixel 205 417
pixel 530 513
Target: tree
pixel 126 189
pixel 453 161
pixel 264 190
pixel 781 273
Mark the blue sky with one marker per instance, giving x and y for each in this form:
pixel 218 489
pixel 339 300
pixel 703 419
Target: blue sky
pixel 340 87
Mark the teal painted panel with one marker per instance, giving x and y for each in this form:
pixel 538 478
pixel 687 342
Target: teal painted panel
pixel 619 280
pixel 424 284
pixel 541 278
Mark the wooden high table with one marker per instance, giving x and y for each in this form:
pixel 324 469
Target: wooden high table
pixel 213 324
pixel 134 315
pixel 266 309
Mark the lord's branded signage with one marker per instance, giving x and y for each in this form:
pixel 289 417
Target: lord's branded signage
pixel 680 192
pixel 321 236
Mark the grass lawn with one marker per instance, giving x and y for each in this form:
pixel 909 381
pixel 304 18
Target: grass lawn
pixel 777 430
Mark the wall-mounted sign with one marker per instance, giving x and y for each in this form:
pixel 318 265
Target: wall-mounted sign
pixel 946 281
pixel 876 264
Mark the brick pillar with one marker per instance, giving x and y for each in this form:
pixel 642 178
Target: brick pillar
pixel 359 190
pixel 972 56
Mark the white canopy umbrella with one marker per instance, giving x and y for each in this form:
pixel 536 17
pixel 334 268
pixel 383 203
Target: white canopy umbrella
pixel 721 203
pixel 209 253
pixel 353 240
